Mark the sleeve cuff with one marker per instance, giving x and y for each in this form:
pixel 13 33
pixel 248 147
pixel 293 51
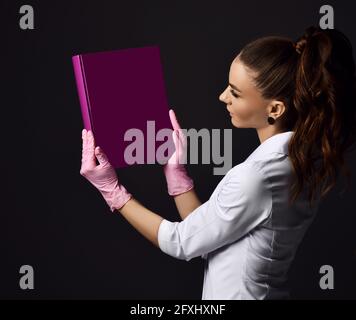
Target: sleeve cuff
pixel 163 232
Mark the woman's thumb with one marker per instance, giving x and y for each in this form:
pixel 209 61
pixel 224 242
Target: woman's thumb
pixel 174 121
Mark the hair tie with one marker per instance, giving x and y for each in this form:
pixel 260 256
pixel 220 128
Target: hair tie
pixel 300 45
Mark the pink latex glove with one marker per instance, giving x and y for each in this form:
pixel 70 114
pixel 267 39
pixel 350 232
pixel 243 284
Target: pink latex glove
pixel 177 177
pixel 102 176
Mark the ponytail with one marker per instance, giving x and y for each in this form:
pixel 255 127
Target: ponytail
pixel 325 101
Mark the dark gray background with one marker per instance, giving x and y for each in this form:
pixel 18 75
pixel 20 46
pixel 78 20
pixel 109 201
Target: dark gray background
pixel 54 220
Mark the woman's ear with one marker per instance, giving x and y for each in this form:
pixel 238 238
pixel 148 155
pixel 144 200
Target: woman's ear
pixel 276 109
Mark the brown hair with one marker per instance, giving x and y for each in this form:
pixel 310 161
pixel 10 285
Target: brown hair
pixel 315 78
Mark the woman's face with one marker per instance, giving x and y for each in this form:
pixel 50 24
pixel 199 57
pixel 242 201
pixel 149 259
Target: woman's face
pixel 248 109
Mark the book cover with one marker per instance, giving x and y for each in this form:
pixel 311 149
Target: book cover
pixel 122 94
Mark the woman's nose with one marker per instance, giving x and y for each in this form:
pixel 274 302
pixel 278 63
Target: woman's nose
pixel 223 97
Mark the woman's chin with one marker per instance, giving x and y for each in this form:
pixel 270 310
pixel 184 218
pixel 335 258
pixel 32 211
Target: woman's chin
pixel 234 122
pixel 237 123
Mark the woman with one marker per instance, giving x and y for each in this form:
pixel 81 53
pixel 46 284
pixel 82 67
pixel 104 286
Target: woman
pixel 300 97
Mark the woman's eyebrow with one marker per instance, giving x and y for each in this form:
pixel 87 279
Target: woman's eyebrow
pixel 231 85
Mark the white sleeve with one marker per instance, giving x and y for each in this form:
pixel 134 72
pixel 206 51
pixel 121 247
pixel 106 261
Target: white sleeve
pixel 240 202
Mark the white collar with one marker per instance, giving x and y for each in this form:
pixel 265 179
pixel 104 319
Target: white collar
pixel 277 143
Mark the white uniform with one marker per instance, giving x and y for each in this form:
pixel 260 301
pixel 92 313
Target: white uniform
pixel 246 232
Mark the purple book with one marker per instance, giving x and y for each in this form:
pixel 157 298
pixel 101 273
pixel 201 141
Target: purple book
pixel 119 91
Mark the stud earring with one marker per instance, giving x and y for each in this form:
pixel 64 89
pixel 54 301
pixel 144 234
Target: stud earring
pixel 271 120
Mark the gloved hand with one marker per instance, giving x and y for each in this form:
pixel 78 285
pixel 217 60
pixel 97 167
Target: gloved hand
pixel 177 177
pixel 102 176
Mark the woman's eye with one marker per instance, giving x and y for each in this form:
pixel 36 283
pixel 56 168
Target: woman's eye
pixel 234 93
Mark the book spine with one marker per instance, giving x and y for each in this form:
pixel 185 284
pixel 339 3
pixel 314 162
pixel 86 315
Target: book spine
pixel 82 90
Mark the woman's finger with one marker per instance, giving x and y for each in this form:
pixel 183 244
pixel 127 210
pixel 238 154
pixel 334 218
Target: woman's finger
pixel 174 120
pixel 84 145
pixel 101 156
pixel 175 138
pixel 182 138
pixel 90 146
